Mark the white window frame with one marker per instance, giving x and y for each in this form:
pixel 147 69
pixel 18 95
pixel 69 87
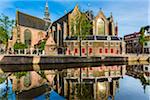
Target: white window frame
pixel 111 43
pixel 105 43
pixel 90 43
pixel 75 43
pixel 83 43
pixel 117 43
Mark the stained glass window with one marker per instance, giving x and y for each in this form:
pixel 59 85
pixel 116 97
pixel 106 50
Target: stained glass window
pixel 100 27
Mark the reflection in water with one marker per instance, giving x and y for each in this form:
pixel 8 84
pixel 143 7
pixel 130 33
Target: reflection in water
pixel 92 82
pixel 88 83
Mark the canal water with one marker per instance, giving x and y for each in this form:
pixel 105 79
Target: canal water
pixel 104 82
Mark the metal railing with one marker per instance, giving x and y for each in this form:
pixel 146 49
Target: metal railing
pixel 23 52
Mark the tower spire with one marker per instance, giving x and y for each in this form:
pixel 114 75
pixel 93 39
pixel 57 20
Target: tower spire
pixel 46 12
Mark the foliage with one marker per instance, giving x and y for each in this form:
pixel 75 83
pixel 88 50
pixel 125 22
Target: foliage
pixel 143 80
pixel 20 74
pixel 142 37
pixel 6 23
pixel 20 46
pixel 80 25
pixel 27 80
pixel 41 44
pixel 3 36
pixel 2 80
pixel 84 92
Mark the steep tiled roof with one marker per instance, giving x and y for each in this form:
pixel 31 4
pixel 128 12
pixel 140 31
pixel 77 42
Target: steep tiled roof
pixel 31 21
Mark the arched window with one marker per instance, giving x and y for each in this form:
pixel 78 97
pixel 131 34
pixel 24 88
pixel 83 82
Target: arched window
pixel 27 37
pixel 100 27
pixel 110 28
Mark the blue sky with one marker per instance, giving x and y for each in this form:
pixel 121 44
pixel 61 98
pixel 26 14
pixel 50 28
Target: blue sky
pixel 130 14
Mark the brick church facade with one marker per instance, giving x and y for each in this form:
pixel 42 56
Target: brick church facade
pixel 102 40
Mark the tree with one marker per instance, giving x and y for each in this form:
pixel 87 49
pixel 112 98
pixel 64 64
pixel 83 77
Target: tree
pixel 3 36
pixel 81 27
pixel 6 25
pixel 19 46
pixel 142 37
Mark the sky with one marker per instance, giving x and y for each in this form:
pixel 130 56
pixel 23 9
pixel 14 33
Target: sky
pixel 129 14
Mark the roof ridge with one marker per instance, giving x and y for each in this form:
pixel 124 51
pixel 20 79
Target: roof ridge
pixel 29 15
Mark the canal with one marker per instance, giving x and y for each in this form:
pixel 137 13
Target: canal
pixel 124 81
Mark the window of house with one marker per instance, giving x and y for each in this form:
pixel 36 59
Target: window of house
pixel 90 43
pixel 68 43
pixel 111 50
pixel 117 52
pixel 83 50
pixel 83 43
pixel 146 68
pixel 69 52
pixel 75 43
pixel 76 50
pixel 111 43
pixel 117 44
pixel 91 68
pixel 145 44
pixel 106 50
pixel 100 50
pixel 106 43
pixel 90 50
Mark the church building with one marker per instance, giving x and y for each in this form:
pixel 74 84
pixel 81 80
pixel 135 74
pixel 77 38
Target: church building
pixel 102 40
pixel 31 30
pixel 64 36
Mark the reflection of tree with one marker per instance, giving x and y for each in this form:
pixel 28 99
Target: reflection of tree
pixel 85 91
pixel 102 90
pixel 143 80
pixel 20 74
pixel 2 79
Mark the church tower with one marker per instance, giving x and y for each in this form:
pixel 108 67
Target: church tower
pixel 46 12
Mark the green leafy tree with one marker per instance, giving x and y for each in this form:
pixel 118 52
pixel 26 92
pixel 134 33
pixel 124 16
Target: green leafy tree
pixel 20 74
pixel 142 38
pixel 19 46
pixel 3 36
pixel 6 25
pixel 81 26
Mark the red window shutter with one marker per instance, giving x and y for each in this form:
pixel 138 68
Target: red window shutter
pixel 100 50
pixel 83 50
pixel 112 51
pixel 106 50
pixel 90 51
pixel 69 51
pixel 76 50
pixel 91 68
pixel 117 51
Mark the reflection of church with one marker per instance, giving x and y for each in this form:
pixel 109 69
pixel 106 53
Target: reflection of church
pixel 97 83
